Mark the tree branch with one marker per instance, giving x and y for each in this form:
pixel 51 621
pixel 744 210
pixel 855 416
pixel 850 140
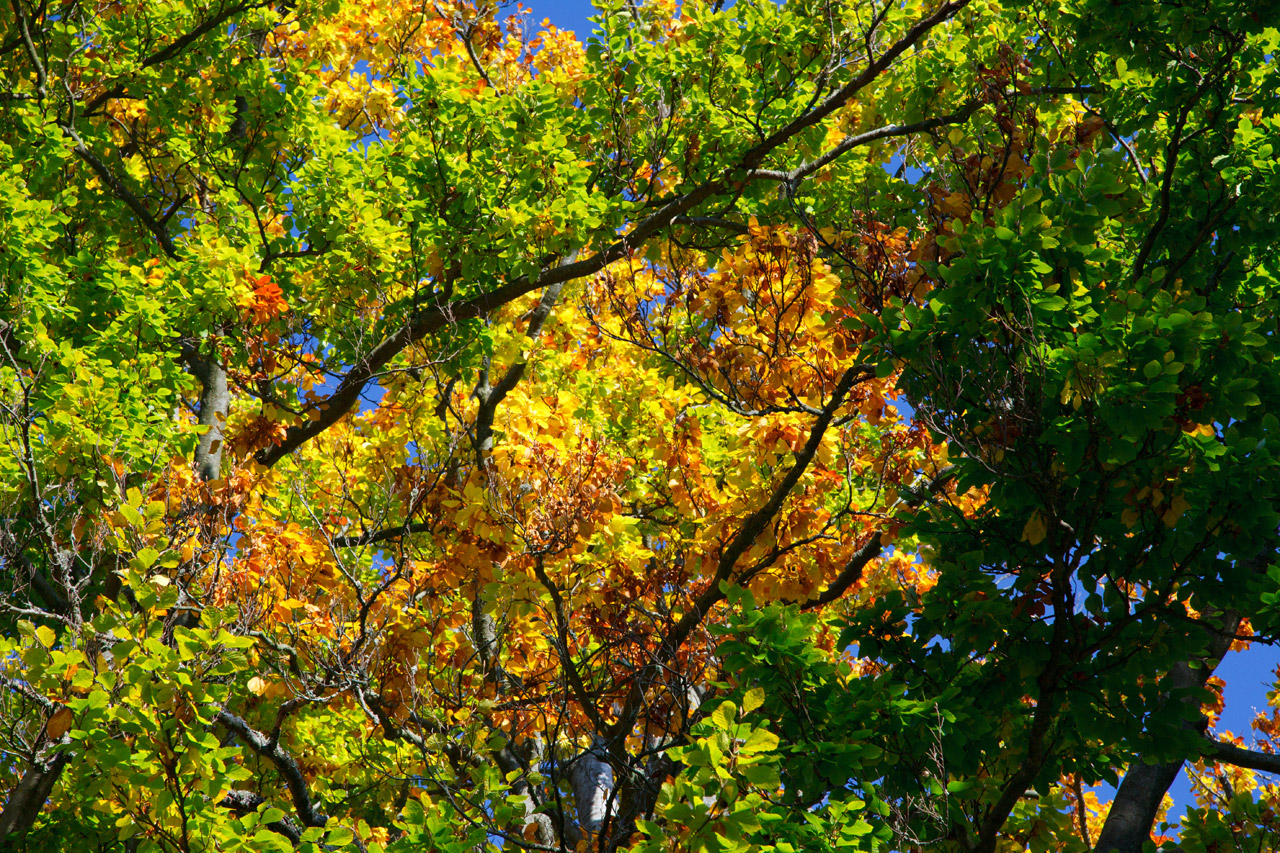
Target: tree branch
pixel 837 99
pixel 28 798
pixel 52 596
pixel 344 398
pixel 847 144
pixel 851 573
pixel 288 768
pixel 121 192
pixel 491 396
pixel 244 802
pixel 373 537
pixel 1228 753
pixel 215 405
pixel 24 30
pixel 177 46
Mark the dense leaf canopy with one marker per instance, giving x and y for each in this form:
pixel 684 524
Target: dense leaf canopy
pixel 801 426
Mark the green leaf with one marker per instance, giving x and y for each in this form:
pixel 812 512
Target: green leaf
pixel 339 836
pixel 760 740
pixel 723 716
pixel 762 776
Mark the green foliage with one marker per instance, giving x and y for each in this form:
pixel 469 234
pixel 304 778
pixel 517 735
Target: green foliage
pixel 320 533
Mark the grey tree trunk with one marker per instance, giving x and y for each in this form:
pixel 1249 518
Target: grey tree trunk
pixel 592 780
pixel 1133 811
pixel 215 404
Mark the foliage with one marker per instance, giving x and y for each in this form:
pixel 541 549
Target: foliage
pixel 790 426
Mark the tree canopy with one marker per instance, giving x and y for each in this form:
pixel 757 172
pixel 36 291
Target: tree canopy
pixel 805 426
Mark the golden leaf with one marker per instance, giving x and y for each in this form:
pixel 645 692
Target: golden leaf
pixel 1035 529
pixel 60 723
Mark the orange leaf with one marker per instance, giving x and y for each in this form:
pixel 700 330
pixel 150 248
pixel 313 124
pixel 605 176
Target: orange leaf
pixel 60 723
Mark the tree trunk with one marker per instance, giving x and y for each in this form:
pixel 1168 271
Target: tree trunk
pixel 26 801
pixel 1133 811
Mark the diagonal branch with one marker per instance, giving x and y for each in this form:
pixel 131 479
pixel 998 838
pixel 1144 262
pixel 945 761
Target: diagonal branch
pixel 33 789
pixel 1166 185
pixel 750 529
pixel 853 141
pixel 329 411
pixel 491 396
pixel 838 98
pixel 245 802
pixel 851 573
pixel 747 533
pixel 27 42
pixel 121 192
pixel 373 537
pixel 215 399
pixel 732 177
pixel 52 596
pixel 270 749
pixel 178 45
pixel 28 798
pixel 756 523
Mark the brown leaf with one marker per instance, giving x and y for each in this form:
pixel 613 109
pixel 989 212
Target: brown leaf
pixel 60 723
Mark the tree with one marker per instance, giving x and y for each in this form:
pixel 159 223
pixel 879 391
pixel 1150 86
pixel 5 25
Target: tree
pixel 809 426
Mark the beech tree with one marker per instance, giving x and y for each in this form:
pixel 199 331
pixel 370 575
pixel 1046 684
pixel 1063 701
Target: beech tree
pixel 805 426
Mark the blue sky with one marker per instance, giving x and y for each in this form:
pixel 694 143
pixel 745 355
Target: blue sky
pixel 565 14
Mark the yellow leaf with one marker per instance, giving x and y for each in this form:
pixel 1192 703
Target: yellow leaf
pixel 1177 507
pixel 257 686
pixel 754 699
pixel 60 723
pixel 1035 530
pixel 46 636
